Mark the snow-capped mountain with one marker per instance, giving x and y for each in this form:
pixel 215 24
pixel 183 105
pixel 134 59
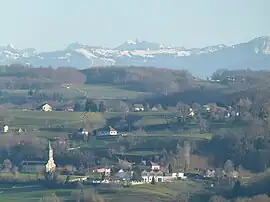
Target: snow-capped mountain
pixel 254 54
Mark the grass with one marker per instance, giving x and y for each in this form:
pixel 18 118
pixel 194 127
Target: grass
pixel 34 176
pixel 46 134
pixel 55 115
pixel 98 91
pixel 158 192
pixel 39 119
pixel 28 194
pixel 144 192
pixel 198 136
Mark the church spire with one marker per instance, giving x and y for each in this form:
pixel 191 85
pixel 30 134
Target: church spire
pixel 50 166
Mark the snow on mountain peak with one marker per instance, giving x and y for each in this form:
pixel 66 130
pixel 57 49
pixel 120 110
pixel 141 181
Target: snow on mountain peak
pixel 261 44
pixel 131 42
pixel 10 46
pixel 136 53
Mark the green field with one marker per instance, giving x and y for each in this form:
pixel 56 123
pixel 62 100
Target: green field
pixel 92 91
pixel 43 119
pixel 32 120
pixel 145 192
pixel 96 91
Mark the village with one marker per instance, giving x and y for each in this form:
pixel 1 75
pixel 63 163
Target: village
pixel 125 172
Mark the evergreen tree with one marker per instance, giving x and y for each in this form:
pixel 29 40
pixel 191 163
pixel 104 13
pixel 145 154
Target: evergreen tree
pixel 102 107
pixel 67 179
pixel 90 106
pixel 30 93
pixel 102 176
pixel 136 174
pixel 77 107
pixel 170 168
pixel 153 180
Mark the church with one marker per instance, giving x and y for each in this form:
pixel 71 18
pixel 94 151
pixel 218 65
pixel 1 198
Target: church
pixel 39 166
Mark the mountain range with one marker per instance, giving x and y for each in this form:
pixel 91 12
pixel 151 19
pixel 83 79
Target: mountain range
pixel 254 54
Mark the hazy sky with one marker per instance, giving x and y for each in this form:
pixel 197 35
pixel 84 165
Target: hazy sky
pixel 52 24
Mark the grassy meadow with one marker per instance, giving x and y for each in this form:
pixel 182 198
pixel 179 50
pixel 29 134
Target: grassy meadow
pixel 146 192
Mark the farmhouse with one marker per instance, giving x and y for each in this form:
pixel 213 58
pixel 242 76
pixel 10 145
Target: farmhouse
pixel 4 129
pixel 112 131
pixel 102 169
pixel 123 175
pixel 160 176
pixel 45 107
pixel 138 108
pixel 153 166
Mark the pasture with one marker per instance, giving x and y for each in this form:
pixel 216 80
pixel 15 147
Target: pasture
pixel 146 192
pixel 59 123
pixel 96 91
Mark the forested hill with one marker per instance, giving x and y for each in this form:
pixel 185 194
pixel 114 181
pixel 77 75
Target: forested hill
pixel 148 79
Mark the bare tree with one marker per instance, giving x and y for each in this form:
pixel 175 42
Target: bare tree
pixel 187 154
pixel 7 165
pixel 228 166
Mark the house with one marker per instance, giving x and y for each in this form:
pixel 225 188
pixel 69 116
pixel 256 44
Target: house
pixel 45 107
pixel 210 174
pixel 160 176
pixel 191 112
pixel 69 109
pixel 123 175
pixel 112 131
pixel 83 131
pixel 148 176
pixel 32 166
pixel 153 166
pixel 138 108
pixel 154 109
pixel 5 129
pixel 102 169
pixel 207 107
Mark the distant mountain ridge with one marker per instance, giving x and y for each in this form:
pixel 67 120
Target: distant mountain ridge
pixel 254 54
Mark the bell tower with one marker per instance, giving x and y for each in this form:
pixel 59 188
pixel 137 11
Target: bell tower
pixel 50 166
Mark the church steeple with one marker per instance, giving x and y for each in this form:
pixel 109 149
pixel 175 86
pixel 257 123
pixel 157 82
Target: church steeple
pixel 50 166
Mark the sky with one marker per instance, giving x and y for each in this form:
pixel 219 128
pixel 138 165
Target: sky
pixel 53 24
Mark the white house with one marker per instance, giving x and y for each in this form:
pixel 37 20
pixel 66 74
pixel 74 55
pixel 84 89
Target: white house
pixel 191 113
pixel 160 176
pixel 148 176
pixel 210 173
pixel 102 169
pixel 207 108
pixel 112 131
pixel 83 131
pixel 154 166
pixel 5 129
pixel 138 107
pixel 46 107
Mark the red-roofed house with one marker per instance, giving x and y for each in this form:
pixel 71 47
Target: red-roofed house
pixel 113 131
pixel 102 169
pixel 154 166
